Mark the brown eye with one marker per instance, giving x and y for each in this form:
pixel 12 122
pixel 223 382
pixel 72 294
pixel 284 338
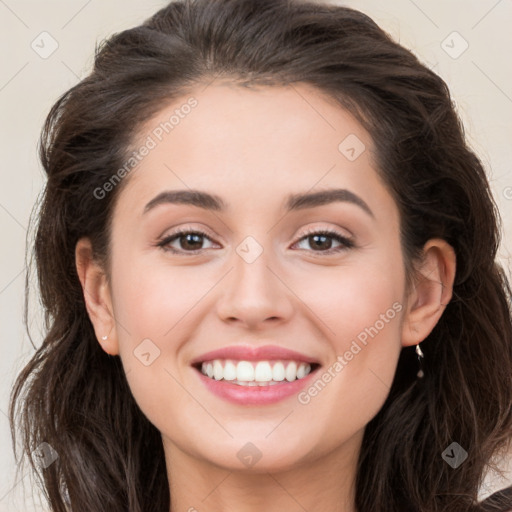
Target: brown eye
pixel 191 241
pixel 188 241
pixel 321 241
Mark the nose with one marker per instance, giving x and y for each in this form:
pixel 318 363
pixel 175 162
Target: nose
pixel 254 295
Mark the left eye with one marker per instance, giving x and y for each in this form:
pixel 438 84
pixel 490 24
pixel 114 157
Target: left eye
pixel 190 241
pixel 320 238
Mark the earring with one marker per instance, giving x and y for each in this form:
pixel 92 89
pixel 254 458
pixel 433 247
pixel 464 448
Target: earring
pixel 104 338
pixel 420 373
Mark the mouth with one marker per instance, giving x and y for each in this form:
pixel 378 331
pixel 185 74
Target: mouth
pixel 247 375
pixel 261 373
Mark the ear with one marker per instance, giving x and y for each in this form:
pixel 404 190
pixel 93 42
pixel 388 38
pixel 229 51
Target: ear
pixel 431 292
pixel 97 296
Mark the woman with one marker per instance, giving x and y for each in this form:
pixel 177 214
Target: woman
pixel 255 214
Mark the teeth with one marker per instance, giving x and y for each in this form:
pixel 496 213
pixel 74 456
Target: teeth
pixel 252 384
pixel 278 372
pixel 291 371
pixel 230 372
pixel 261 373
pixel 218 371
pixel 244 371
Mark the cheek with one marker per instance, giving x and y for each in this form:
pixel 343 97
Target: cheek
pixel 352 299
pixel 361 310
pixel 151 310
pixel 152 300
pixel 156 313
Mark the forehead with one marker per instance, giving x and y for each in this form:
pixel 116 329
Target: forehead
pixel 267 140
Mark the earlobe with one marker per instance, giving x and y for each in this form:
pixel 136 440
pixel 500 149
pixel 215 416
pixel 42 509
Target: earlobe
pixel 97 296
pixel 431 292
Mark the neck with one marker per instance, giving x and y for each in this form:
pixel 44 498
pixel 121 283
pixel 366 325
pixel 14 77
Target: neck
pixel 325 483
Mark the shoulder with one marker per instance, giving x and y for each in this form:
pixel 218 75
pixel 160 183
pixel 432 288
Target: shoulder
pixel 500 501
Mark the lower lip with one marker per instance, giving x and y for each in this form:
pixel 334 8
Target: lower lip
pixel 255 395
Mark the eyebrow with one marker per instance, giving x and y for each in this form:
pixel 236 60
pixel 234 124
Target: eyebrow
pixel 294 202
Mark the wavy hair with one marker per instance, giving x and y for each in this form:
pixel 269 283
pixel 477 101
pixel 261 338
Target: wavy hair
pixel 75 397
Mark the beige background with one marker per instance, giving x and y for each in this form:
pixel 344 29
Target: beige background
pixel 480 80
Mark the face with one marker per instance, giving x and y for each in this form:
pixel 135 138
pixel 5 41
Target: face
pixel 261 283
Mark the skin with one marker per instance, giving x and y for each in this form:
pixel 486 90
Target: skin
pixel 253 147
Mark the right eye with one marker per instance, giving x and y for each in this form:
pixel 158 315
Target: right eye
pixel 189 240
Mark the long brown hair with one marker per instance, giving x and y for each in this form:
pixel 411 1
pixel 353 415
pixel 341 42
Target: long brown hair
pixel 74 397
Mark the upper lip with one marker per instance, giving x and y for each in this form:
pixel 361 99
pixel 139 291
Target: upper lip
pixel 251 353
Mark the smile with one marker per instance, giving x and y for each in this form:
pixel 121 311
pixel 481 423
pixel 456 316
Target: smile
pixel 246 375
pixel 255 373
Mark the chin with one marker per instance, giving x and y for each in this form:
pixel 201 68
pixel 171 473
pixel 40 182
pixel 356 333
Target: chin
pixel 258 455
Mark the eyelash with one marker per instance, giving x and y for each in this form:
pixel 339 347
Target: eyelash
pixel 345 242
